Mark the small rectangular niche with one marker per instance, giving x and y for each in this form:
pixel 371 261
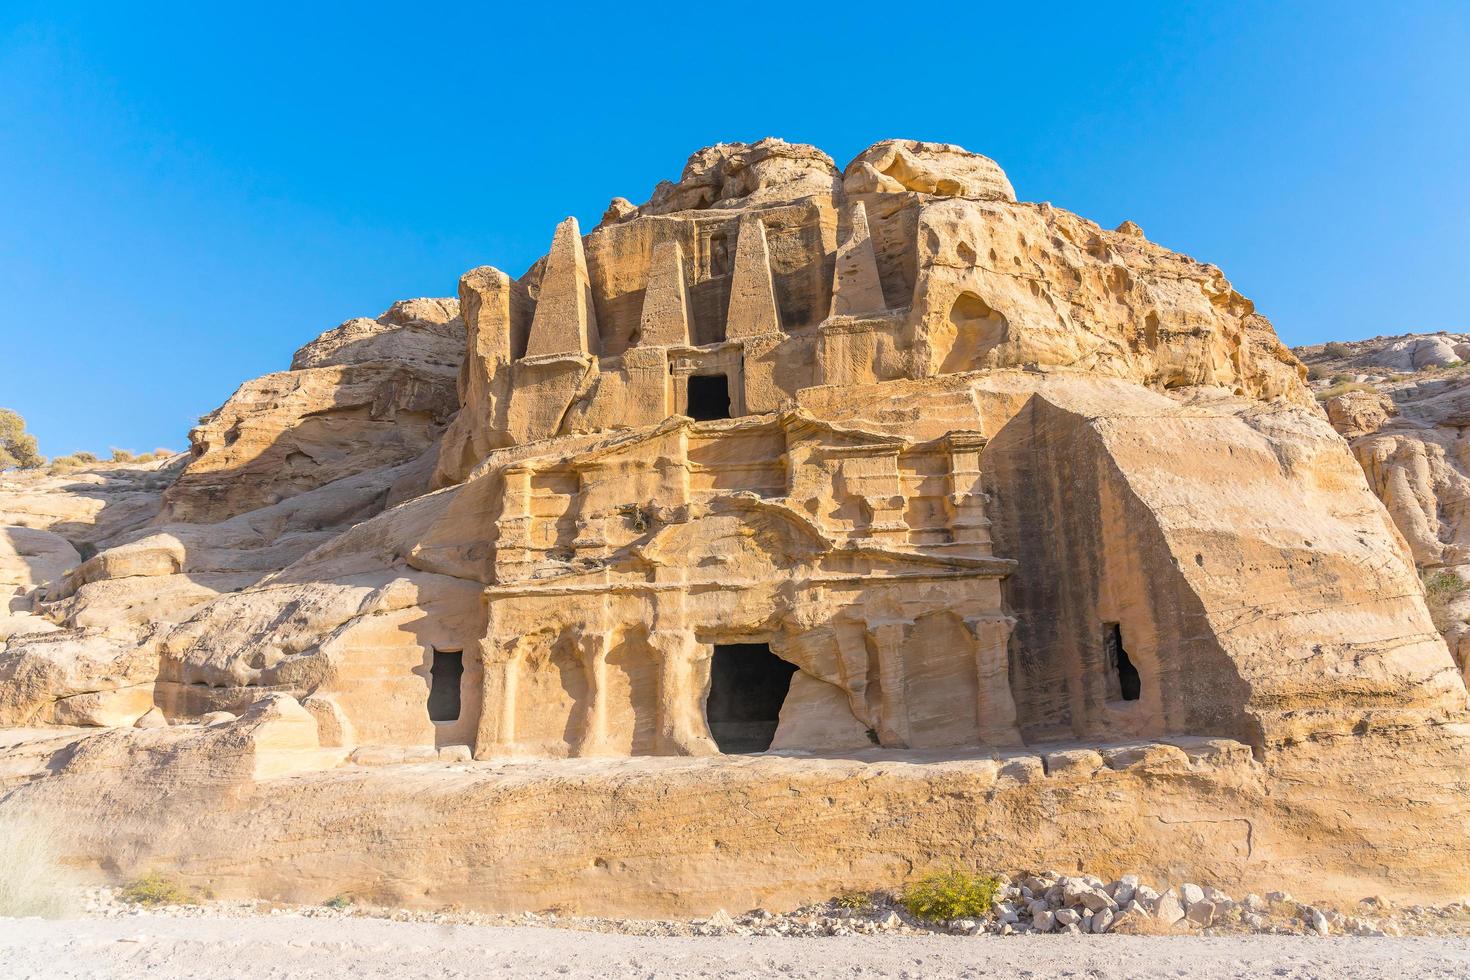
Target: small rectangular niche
pixel 444 677
pixel 1124 683
pixel 708 397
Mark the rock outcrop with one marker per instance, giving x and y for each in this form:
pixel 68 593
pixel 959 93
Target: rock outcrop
pixel 1403 404
pixel 369 393
pixel 944 505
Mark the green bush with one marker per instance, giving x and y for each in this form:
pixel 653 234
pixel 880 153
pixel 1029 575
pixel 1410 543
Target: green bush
pixel 1441 589
pixel 17 446
pixel 338 902
pixel 940 896
pixel 156 889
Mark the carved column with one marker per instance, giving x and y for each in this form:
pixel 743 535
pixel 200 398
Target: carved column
pixel 996 710
pixel 591 539
pixel 592 649
pixel 967 521
pixel 513 530
pixel 683 677
pixel 893 709
pixel 502 666
pixel 852 666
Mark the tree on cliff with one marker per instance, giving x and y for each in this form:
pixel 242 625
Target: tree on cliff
pixel 17 447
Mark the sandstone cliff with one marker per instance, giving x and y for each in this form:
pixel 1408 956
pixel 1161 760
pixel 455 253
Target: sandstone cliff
pixel 980 518
pixel 1403 403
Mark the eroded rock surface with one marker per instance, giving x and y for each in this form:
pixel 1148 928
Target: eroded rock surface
pixel 941 502
pixel 1403 404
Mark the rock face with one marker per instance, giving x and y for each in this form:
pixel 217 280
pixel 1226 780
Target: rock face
pixel 924 493
pixel 1403 403
pixel 369 393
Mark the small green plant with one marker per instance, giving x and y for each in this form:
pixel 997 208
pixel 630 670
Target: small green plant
pixel 1337 349
pixel 338 902
pixel 940 896
pixel 155 888
pixel 854 901
pixel 1440 589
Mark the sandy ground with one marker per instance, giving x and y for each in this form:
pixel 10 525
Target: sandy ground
pixel 291 946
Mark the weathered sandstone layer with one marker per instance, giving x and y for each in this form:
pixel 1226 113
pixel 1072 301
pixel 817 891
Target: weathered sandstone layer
pixel 1403 404
pixel 939 526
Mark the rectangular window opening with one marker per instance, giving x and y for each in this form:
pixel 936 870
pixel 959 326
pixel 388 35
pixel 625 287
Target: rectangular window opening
pixel 444 677
pixel 708 397
pixel 1123 681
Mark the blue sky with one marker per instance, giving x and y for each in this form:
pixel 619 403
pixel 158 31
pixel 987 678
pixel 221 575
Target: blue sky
pixel 189 192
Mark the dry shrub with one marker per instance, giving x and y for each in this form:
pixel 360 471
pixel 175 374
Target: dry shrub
pixel 33 881
pixel 1441 589
pixel 1342 389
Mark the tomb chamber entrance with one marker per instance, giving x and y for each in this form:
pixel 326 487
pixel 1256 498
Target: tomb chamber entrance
pixel 748 684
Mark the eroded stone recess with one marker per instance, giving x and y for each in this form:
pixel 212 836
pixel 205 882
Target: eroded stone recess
pixel 974 519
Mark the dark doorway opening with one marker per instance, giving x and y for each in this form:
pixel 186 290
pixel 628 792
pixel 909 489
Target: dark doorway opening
pixel 709 397
pixel 747 685
pixel 1123 679
pixel 444 678
pixel 719 254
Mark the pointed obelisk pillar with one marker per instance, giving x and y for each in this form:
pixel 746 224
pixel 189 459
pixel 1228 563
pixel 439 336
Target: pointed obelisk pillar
pixel 665 319
pixel 752 311
pixel 856 289
pixel 565 321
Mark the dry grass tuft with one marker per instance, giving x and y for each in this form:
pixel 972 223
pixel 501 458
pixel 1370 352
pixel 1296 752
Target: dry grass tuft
pixel 1440 590
pixel 33 881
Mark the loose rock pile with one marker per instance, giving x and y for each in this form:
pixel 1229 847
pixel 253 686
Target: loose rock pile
pixel 1049 902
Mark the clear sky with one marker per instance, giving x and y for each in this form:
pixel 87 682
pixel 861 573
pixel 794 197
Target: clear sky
pixel 189 192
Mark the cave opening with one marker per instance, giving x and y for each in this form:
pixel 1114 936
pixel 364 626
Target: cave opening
pixel 444 677
pixel 748 684
pixel 1123 681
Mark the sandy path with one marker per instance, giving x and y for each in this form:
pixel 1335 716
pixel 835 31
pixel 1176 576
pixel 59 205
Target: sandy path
pixel 294 947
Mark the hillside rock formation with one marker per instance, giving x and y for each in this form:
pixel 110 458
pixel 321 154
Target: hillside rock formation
pixel 1403 404
pixel 966 517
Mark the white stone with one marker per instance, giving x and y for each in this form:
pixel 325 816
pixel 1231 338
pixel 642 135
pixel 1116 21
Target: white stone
pixel 1168 909
pixel 1201 913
